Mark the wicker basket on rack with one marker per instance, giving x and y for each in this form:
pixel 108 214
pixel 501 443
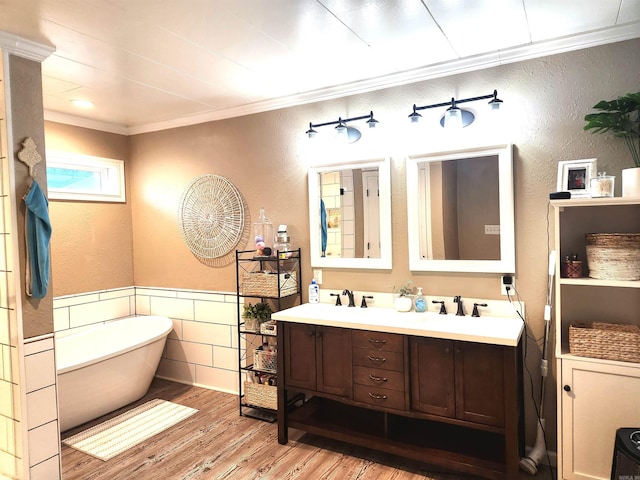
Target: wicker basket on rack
pixel 265 360
pixel 613 256
pixel 265 396
pixel 606 341
pixel 266 284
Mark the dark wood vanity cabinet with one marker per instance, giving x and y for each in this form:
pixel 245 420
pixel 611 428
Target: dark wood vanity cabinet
pixel 379 369
pixel 449 403
pixel 480 383
pixel 461 380
pixel 315 359
pixel 433 376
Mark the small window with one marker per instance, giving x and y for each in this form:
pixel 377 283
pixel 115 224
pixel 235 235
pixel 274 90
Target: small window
pixel 82 177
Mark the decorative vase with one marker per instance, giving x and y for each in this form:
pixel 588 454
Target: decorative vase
pixel 631 182
pixel 403 303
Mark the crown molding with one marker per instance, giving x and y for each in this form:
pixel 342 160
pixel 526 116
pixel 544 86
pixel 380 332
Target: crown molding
pixel 515 54
pixel 25 48
pixel 68 119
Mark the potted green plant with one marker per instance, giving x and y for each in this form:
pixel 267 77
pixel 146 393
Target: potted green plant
pixel 403 301
pixel 254 315
pixel 250 322
pixel 622 118
pixel 262 312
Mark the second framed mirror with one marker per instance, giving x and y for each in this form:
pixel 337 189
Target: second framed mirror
pixel 460 211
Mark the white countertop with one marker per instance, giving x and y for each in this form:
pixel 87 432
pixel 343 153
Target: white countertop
pixel 485 329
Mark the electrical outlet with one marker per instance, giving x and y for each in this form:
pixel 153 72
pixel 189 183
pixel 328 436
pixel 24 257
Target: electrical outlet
pixel 317 274
pixel 507 281
pixel 492 229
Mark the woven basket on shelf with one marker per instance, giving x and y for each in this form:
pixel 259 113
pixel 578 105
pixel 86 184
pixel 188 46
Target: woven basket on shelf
pixel 266 284
pixel 613 256
pixel 265 360
pixel 606 341
pixel 265 396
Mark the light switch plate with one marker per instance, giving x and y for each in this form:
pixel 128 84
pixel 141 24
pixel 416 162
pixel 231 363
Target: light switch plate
pixel 317 274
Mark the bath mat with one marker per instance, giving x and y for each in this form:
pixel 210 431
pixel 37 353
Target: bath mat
pixel 110 438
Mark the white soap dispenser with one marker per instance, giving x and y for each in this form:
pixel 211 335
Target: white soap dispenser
pixel 420 303
pixel 314 292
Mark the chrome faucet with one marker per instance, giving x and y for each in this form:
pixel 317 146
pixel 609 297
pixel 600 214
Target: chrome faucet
pixel 352 302
pixel 458 299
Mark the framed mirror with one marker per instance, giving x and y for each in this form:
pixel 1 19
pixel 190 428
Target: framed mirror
pixel 350 214
pixel 460 211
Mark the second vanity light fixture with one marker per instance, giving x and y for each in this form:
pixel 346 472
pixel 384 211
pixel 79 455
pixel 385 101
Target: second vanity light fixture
pixel 454 116
pixel 347 132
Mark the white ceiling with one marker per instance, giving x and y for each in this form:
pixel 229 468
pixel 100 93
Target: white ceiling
pixel 153 64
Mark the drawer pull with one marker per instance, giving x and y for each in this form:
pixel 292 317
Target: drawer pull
pixel 377 379
pixel 376 341
pixel 377 359
pixel 377 396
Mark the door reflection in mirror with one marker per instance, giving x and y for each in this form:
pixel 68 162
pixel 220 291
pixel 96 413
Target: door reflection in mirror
pixel 471 228
pixel 350 213
pixel 459 204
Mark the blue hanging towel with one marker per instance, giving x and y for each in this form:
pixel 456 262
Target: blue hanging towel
pixel 323 227
pixel 38 234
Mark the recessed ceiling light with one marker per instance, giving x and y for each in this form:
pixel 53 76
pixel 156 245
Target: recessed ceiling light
pixel 82 103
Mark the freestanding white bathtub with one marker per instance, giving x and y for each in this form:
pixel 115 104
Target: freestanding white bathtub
pixel 107 367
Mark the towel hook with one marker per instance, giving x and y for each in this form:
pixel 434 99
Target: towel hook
pixel 29 155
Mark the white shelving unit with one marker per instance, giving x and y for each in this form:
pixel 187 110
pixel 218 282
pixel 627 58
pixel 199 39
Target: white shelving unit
pixel 595 397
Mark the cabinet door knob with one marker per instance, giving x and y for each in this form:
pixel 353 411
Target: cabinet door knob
pixel 377 341
pixel 447 350
pixel 567 388
pixel 377 379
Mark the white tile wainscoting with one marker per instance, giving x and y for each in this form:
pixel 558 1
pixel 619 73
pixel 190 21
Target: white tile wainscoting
pixel 202 348
pixel 42 408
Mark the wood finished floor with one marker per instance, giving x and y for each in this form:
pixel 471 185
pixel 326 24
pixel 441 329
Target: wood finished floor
pixel 218 444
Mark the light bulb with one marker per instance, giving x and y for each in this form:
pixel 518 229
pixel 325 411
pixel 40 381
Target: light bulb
pixel 453 118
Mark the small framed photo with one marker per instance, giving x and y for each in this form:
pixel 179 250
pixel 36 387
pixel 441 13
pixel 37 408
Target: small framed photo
pixel 575 176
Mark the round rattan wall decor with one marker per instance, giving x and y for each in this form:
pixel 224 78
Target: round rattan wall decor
pixel 211 216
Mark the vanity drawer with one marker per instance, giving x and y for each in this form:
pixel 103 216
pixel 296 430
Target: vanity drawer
pixel 381 341
pixel 379 397
pixel 374 377
pixel 368 357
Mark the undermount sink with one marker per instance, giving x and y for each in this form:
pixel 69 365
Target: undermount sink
pixel 485 329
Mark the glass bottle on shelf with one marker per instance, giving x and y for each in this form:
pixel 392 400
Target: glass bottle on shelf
pixel 263 233
pixel 282 243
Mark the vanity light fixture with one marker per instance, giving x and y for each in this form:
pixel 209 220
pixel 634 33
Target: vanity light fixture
pixel 348 132
pixel 454 116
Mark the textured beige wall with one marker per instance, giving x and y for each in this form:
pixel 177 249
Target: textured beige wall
pixel 27 121
pixel 265 156
pixel 92 245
